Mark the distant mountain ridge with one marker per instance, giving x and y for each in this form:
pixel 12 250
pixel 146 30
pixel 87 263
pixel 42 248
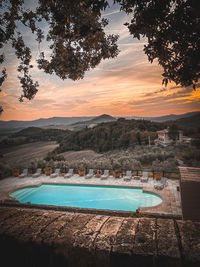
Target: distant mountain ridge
pixel 172 117
pixel 77 123
pixel 189 122
pixel 93 122
pixel 165 118
pixel 46 121
pixel 102 118
pixel 14 126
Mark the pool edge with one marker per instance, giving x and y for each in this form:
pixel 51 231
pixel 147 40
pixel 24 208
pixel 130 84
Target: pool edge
pixel 10 201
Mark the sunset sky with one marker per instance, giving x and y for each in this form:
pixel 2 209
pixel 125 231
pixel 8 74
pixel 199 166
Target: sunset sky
pixel 125 86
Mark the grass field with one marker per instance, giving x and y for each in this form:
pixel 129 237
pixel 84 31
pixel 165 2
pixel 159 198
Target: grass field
pixel 79 155
pixel 23 154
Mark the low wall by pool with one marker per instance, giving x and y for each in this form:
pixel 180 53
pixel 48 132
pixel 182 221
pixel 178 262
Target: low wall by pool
pixel 32 237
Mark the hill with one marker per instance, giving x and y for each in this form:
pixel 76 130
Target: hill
pixel 33 134
pixel 23 154
pixel 189 122
pixel 172 117
pixel 78 123
pixel 40 134
pixel 9 127
pixel 93 122
pixel 63 123
pixel 102 118
pixel 111 135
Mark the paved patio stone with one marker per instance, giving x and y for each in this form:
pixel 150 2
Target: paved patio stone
pixel 51 238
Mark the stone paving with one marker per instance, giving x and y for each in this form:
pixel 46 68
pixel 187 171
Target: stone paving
pixel 38 238
pixel 171 204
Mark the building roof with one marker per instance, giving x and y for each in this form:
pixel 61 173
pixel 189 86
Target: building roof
pixel 163 131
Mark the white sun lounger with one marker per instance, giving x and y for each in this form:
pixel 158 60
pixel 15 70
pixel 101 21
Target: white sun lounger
pixel 38 173
pixel 24 173
pixel 55 174
pixel 144 177
pixel 69 174
pixel 90 174
pixel 160 185
pixel 128 176
pixel 105 175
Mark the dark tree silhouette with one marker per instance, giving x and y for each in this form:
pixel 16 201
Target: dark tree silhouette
pixel 172 28
pixel 77 40
pixel 173 132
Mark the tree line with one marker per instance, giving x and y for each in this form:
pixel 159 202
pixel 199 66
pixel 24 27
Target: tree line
pixel 120 134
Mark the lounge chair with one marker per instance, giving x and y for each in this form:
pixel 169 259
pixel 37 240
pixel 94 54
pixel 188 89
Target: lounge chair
pixel 24 173
pixel 37 173
pixel 55 174
pixel 160 185
pixel 105 175
pixel 128 176
pixel 144 177
pixel 90 174
pixel 69 174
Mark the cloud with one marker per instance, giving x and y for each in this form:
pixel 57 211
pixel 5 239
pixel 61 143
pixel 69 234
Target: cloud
pixel 111 13
pixel 163 89
pixel 183 100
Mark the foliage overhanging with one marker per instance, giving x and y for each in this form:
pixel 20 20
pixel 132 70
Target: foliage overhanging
pixel 78 43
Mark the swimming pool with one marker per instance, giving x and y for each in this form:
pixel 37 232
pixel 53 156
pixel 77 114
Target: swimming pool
pixel 87 196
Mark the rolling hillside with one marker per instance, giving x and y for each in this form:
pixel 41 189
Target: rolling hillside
pixel 9 127
pixel 93 122
pixel 119 134
pixel 78 123
pixel 189 122
pixel 170 117
pixel 33 134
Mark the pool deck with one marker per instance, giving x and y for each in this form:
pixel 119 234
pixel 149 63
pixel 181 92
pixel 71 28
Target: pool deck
pixel 171 205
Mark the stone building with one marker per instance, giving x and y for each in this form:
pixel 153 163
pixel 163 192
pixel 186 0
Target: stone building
pixel 164 139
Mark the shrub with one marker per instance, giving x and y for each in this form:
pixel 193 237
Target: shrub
pixel 196 142
pixel 191 157
pixel 54 156
pixel 116 164
pixel 33 166
pixel 5 170
pixel 169 165
pixel 41 164
pixel 157 165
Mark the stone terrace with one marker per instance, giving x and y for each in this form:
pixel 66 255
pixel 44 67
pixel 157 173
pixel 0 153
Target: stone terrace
pixel 32 237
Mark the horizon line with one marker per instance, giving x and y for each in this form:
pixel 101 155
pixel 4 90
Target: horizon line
pixel 115 116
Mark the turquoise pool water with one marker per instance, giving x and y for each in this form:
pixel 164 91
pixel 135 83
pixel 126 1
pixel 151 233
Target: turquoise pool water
pixel 85 196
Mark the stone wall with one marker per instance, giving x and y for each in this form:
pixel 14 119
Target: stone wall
pixel 34 238
pixel 190 197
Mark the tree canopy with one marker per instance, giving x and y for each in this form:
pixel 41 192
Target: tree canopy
pixel 120 134
pixel 77 40
pixel 173 132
